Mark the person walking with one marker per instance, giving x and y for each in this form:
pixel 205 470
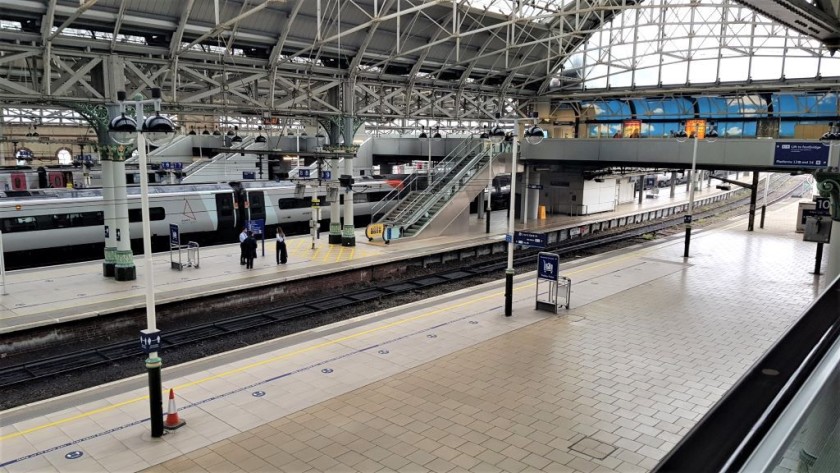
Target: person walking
pixel 281 253
pixel 249 247
pixel 242 237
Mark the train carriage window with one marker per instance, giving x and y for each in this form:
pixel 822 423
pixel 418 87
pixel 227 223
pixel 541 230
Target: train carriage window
pixel 359 198
pixel 256 202
pixel 51 222
pixel 155 213
pixel 288 204
pixel 376 196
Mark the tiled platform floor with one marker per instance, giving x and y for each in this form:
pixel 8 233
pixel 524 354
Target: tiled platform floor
pixel 449 384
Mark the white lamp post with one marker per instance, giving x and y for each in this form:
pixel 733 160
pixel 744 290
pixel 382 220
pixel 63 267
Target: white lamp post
pixel 534 135
pixel 158 130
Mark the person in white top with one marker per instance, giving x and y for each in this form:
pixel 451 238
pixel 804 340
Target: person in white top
pixel 281 253
pixel 242 237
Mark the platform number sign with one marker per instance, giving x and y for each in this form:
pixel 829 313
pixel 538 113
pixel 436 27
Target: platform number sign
pixel 303 173
pixel 174 234
pixel 548 266
pixel 687 219
pixel 326 175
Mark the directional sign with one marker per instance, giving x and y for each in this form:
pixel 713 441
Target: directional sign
pixel 800 154
pixel 537 240
pixel 174 234
pixel 149 340
pixel 548 266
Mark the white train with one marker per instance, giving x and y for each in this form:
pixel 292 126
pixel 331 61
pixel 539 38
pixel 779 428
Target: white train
pixel 65 220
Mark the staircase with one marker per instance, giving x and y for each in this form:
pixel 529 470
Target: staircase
pixel 438 208
pixel 222 167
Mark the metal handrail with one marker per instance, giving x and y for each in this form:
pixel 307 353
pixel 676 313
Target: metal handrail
pixel 445 164
pixel 410 183
pixel 430 196
pixel 199 165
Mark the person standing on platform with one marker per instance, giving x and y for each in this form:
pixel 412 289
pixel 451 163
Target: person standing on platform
pixel 249 247
pixel 280 253
pixel 242 237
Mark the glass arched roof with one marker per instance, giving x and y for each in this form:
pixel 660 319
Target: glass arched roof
pixel 669 42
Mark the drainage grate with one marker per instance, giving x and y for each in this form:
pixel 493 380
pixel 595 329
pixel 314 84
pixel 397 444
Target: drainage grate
pixel 594 448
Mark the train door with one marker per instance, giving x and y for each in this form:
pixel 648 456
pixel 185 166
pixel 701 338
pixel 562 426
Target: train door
pixel 256 205
pixel 56 179
pixel 226 215
pixel 18 181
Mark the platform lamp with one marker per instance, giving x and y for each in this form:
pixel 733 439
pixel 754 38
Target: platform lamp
pixel 533 135
pixel 158 130
pixel 681 137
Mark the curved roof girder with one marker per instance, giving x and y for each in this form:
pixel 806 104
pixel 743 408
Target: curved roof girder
pixel 817 21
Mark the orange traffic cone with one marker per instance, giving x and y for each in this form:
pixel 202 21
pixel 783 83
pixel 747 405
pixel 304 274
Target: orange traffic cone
pixel 172 420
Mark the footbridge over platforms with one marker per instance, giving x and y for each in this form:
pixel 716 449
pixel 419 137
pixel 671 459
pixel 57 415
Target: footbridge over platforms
pixel 756 154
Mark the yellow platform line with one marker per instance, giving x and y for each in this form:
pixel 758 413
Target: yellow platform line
pixel 241 369
pixel 327 254
pixel 340 254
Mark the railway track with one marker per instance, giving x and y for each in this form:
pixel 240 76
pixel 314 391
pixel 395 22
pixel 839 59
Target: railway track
pixel 115 352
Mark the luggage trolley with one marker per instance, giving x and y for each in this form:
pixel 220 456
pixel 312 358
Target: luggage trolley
pixel 175 247
pixel 548 274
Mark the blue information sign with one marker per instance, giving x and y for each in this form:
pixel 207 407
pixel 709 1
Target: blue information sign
pixel 166 165
pixel 257 227
pixel 149 340
pixel 174 234
pixel 800 154
pixel 249 175
pixel 303 173
pixel 537 240
pixel 687 219
pixel 548 266
pixel 177 166
pixel 326 175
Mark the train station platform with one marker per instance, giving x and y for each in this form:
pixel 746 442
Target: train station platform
pixel 650 342
pixel 56 294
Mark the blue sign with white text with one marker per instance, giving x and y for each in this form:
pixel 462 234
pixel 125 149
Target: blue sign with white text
pixel 800 154
pixel 149 340
pixel 548 266
pixel 257 227
pixel 326 175
pixel 537 240
pixel 303 173
pixel 174 234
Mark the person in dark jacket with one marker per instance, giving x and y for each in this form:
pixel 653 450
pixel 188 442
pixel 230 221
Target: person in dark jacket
pixel 249 249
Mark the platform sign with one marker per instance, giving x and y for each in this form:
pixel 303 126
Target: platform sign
pixel 548 266
pixel 177 166
pixel 822 207
pixel 326 175
pixel 687 219
pixel 166 165
pixel 536 240
pixel 174 235
pixel 249 175
pixel 535 186
pixel 150 340
pixel 552 290
pixel 257 227
pixel 303 173
pixel 800 155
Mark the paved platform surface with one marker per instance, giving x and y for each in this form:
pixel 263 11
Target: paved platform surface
pixel 650 342
pixel 44 296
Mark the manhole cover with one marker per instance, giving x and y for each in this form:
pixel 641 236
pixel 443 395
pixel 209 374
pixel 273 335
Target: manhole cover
pixel 593 448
